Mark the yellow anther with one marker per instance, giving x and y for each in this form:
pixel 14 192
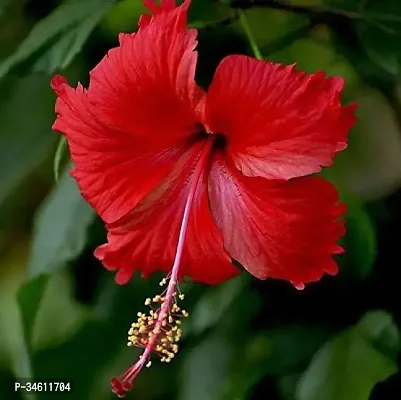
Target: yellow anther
pixel 148 364
pixel 158 328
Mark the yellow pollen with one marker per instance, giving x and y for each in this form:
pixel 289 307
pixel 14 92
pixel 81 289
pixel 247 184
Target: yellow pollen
pixel 159 329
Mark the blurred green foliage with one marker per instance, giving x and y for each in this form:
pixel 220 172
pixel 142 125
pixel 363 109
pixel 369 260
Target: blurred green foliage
pixel 61 314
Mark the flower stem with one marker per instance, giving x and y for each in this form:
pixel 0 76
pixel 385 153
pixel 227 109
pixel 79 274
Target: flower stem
pixel 244 22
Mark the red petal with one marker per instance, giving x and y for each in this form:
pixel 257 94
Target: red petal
pixel 128 129
pixel 274 228
pixel 147 238
pixel 279 123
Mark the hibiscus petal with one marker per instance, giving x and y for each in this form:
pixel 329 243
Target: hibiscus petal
pixel 275 228
pixel 133 123
pixel 279 123
pixel 147 238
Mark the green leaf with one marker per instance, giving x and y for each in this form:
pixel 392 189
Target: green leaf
pixel 60 230
pixel 61 149
pixel 274 352
pixel 59 36
pixel 7 383
pixel 379 31
pixel 205 369
pixel 14 348
pixel 360 240
pixel 348 366
pixel 24 142
pixel 123 17
pixel 91 352
pixel 3 6
pixel 211 307
pixel 29 298
pixel 203 13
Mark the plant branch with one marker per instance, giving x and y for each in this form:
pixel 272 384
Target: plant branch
pixel 245 25
pixel 311 11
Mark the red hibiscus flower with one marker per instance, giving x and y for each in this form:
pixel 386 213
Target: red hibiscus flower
pixel 188 181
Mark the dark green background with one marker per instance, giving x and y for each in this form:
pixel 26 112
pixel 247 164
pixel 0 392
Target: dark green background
pixel 62 317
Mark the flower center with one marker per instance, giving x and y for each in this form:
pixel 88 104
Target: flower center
pixel 219 139
pixel 159 331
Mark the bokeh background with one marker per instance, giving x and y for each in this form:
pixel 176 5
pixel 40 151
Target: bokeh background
pixel 62 317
